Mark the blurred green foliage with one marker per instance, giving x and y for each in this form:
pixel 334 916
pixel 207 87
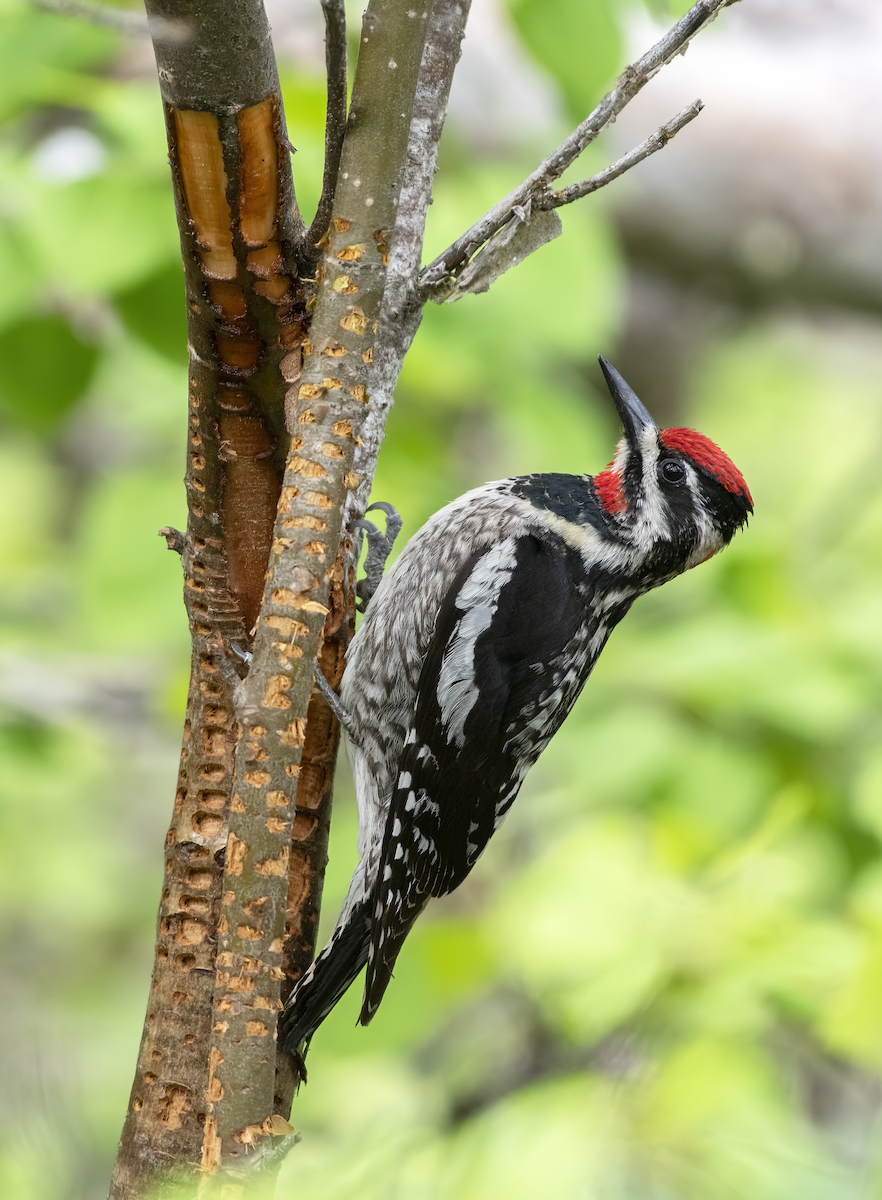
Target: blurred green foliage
pixel 663 980
pixel 582 77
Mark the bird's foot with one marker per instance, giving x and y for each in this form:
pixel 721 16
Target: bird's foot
pixel 244 656
pixel 379 549
pixel 336 705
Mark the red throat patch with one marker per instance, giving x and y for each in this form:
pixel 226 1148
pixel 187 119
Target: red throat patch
pixel 608 488
pixel 708 455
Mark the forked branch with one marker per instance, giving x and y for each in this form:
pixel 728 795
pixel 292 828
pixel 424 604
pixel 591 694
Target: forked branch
pixel 532 193
pixel 655 142
pixel 335 124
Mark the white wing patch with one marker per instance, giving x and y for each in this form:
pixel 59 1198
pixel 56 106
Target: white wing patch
pixel 457 691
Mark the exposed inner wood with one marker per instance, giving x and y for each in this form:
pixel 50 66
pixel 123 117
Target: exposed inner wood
pixel 201 164
pixel 242 264
pixel 258 174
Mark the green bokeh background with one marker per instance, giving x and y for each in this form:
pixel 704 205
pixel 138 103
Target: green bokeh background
pixel 663 980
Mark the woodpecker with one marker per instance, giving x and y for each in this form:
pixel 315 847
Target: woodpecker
pixel 472 652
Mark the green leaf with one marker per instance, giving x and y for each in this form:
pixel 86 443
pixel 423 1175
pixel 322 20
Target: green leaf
pixel 44 369
pixel 17 273
pixel 39 51
pixel 577 42
pixel 154 312
pixel 102 233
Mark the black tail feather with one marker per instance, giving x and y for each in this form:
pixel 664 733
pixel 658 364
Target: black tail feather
pixel 387 938
pixel 325 982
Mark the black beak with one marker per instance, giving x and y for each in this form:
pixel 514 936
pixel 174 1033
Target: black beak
pixel 634 416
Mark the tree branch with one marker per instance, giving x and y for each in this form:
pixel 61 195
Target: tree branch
pixel 132 23
pixel 235 208
pixel 335 125
pixel 657 141
pixel 631 81
pixel 402 308
pixel 327 405
pixel 535 223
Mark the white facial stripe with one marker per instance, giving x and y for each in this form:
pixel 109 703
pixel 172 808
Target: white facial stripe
pixel 621 456
pixel 709 538
pixel 651 524
pixel 585 539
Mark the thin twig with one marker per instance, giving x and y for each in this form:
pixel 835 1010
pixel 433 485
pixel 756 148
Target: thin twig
pixel 335 122
pixel 537 184
pixel 657 141
pixel 174 539
pixel 132 23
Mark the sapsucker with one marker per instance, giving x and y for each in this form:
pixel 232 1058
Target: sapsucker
pixel 471 654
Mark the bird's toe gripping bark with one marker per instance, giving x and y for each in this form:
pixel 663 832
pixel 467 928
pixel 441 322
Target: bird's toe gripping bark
pixel 379 549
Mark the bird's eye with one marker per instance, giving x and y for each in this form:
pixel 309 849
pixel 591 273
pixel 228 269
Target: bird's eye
pixel 672 471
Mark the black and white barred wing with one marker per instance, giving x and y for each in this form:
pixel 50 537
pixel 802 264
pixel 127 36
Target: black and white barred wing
pixel 507 658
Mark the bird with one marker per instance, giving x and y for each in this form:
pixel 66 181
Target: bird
pixel 473 650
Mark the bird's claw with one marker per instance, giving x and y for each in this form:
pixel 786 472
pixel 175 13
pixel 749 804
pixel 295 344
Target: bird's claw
pixel 244 656
pixel 335 704
pixel 393 517
pixel 379 549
